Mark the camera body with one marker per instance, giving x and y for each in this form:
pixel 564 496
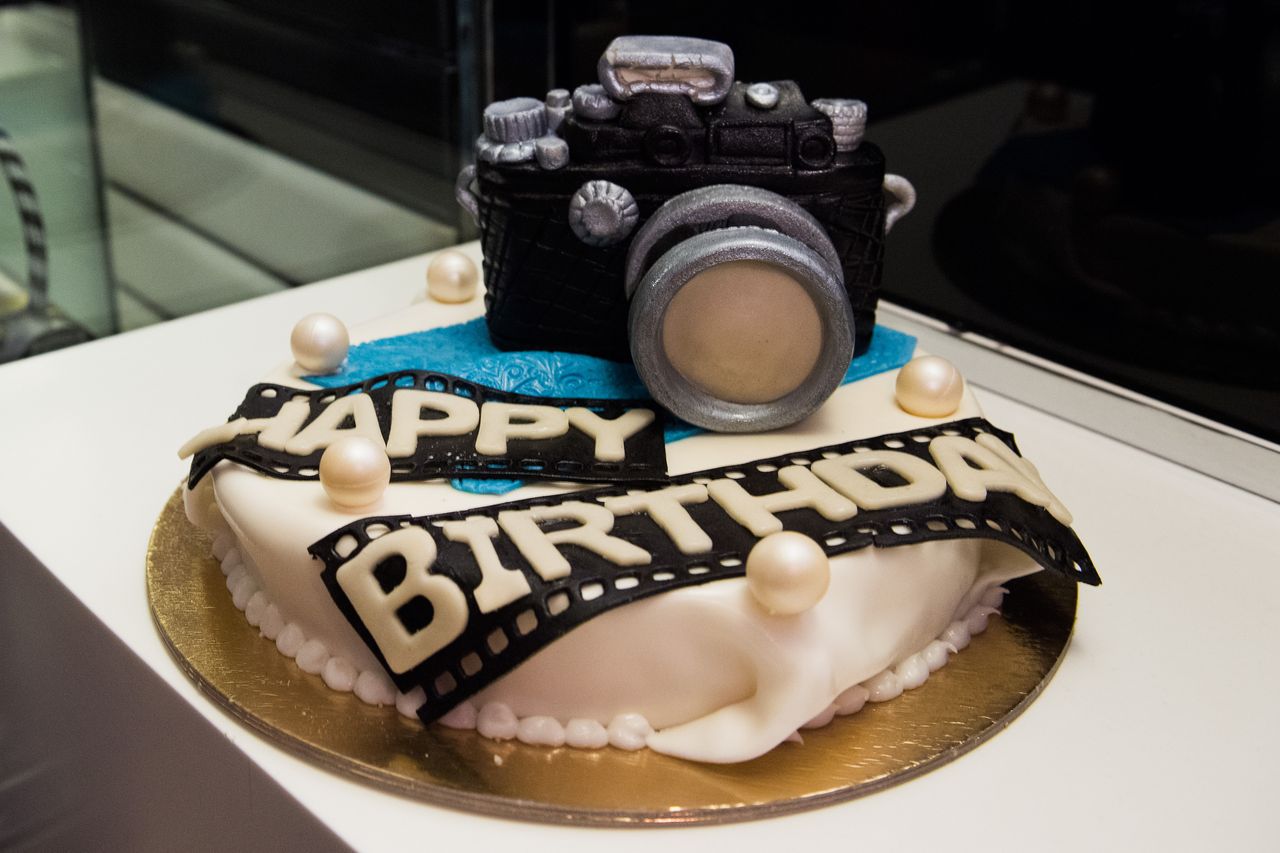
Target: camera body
pixel 580 198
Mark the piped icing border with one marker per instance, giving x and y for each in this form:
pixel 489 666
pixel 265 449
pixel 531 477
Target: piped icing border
pixel 451 602
pixel 497 721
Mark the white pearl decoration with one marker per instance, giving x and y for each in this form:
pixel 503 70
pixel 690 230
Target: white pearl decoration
pixel 788 573
pixel 452 277
pixel 355 471
pixel 320 343
pixel 929 386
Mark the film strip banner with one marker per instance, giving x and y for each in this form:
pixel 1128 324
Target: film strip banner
pixel 451 602
pixel 435 425
pixel 33 234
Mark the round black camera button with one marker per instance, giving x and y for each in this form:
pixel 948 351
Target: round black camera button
pixel 815 151
pixel 667 145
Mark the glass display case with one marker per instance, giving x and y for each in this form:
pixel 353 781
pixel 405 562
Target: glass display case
pixel 55 288
pixel 1096 189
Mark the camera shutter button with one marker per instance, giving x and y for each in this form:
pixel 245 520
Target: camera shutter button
pixel 515 120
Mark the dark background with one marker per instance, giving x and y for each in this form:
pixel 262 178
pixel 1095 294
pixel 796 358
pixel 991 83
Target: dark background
pixel 1098 185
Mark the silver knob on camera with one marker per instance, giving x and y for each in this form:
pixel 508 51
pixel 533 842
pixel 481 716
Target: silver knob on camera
pixel 593 102
pixel 848 120
pixel 602 213
pixel 514 120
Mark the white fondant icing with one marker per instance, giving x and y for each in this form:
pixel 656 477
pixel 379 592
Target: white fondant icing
pixel 586 734
pixel 222 545
pixel 272 623
pixel 629 731
pixel 462 716
pixel 496 721
pixel 243 591
pixel 956 635
pixel 409 703
pixel 977 619
pixel 540 731
pixel 883 687
pixel 339 674
pixel 290 640
pixel 994 597
pixel 718 678
pixel 824 717
pixel 936 655
pixel 374 688
pixel 255 608
pixel 912 672
pixel 311 657
pixel 851 701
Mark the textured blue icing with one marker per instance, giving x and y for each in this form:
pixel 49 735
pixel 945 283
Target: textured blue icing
pixel 465 350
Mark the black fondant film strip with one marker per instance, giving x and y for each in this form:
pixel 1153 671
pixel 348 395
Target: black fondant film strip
pixel 568 457
pixel 495 643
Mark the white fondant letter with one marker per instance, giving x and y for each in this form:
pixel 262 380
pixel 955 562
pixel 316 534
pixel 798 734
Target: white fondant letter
pixel 972 470
pixel 756 512
pixel 502 421
pixel 460 416
pixel 499 586
pixel 401 649
pixel 610 435
pixel 539 546
pixel 272 432
pixel 327 427
pixel 844 474
pixel 665 507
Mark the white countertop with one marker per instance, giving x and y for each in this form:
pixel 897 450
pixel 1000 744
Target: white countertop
pixel 1157 730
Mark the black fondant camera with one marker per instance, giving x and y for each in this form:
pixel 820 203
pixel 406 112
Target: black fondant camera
pixel 726 237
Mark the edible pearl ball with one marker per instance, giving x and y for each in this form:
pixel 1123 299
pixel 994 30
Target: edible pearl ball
pixel 452 277
pixel 929 386
pixel 320 343
pixel 355 471
pixel 788 573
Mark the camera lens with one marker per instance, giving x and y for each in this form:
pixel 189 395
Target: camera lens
pixel 741 329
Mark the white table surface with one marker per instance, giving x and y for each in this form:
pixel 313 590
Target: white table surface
pixel 1157 730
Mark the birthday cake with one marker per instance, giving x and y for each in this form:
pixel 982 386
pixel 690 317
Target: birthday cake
pixel 459 518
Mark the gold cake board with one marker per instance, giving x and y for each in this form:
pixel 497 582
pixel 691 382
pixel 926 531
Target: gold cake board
pixel 977 694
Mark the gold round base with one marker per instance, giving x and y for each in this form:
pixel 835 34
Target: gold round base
pixel 976 695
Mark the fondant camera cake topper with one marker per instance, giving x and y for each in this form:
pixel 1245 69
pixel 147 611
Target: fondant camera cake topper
pixel 727 237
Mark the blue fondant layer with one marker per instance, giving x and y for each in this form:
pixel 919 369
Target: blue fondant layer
pixel 465 350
